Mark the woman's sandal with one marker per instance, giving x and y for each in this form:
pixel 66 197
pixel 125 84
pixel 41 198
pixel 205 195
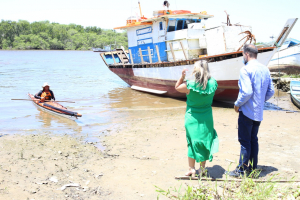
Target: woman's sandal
pixel 193 176
pixel 190 173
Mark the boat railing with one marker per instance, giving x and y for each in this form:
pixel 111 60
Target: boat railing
pixel 214 58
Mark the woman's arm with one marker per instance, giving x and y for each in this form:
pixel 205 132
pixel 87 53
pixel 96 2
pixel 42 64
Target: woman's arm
pixel 180 85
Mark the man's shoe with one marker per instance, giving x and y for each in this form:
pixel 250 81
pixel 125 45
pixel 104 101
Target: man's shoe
pixel 235 173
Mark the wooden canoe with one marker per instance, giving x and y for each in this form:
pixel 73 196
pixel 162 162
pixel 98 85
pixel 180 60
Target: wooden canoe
pixel 54 108
pixel 295 92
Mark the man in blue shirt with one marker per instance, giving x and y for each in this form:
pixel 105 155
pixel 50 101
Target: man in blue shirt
pixel 256 87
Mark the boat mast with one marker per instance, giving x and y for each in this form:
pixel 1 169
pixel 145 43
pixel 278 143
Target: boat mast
pixel 140 9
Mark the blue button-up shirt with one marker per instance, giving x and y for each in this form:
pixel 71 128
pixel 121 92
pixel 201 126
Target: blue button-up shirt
pixel 256 87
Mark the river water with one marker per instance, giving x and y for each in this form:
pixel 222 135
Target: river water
pixel 81 76
pixel 102 98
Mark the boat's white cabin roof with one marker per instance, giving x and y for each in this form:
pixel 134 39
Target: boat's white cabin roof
pixel 184 15
pixel 179 16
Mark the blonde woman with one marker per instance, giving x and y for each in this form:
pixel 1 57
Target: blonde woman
pixel 202 139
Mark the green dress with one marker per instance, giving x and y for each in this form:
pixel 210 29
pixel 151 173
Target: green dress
pixel 202 139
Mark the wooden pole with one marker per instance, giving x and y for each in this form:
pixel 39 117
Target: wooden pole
pixel 44 101
pixel 186 58
pixel 171 47
pixel 157 51
pixel 183 50
pixel 112 54
pixel 232 180
pixel 149 53
pixel 141 55
pixel 131 56
pixel 140 9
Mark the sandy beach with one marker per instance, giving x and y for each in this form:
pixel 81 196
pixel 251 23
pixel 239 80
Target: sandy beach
pixel 118 66
pixel 146 150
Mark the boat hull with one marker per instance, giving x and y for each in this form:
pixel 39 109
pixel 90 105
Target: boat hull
pixel 295 101
pixel 295 93
pixel 37 103
pixel 286 60
pixel 163 79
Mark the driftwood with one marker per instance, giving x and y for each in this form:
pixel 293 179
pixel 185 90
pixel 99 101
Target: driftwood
pixel 249 37
pixel 231 180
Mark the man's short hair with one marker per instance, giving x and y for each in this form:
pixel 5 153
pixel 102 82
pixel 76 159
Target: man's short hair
pixel 251 49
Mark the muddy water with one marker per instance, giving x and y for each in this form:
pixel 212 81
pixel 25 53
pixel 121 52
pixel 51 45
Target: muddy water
pixel 281 101
pixel 79 76
pixel 101 97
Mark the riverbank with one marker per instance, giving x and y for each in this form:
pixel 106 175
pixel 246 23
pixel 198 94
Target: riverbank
pixel 282 80
pixel 46 35
pixel 148 151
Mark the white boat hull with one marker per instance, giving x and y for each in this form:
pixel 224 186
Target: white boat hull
pixel 286 60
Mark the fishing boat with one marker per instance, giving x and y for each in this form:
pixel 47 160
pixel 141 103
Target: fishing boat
pixel 162 46
pixel 295 92
pixel 287 59
pixel 54 108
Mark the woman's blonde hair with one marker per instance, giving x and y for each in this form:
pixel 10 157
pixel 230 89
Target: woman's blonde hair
pixel 201 72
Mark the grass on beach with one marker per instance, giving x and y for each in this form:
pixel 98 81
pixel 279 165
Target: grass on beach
pixel 244 188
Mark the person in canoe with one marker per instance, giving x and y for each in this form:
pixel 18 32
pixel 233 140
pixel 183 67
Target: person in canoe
pixel 45 94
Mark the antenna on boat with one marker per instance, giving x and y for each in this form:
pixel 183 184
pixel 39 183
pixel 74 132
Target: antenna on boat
pixel 140 9
pixel 228 20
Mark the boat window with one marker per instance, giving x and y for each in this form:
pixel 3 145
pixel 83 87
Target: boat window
pixel 161 26
pixel 292 44
pixel 197 20
pixel 185 24
pixel 179 25
pixel 171 26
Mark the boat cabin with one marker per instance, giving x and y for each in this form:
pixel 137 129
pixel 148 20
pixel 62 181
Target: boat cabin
pixel 151 40
pixel 175 36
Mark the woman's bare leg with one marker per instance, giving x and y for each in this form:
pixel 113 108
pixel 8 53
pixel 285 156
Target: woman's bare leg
pixel 191 166
pixel 202 164
pixel 191 163
pixel 202 168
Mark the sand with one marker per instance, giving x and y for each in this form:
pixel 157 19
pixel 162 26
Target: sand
pixel 147 150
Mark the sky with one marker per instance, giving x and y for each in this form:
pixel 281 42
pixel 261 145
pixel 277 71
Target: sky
pixel 267 17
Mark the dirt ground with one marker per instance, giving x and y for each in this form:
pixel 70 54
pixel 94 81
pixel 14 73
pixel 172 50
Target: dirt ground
pixel 147 151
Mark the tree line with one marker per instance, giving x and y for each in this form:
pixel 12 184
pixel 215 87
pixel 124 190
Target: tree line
pixel 45 35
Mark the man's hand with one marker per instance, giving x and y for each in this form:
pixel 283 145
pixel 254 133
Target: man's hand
pixel 236 108
pixel 42 99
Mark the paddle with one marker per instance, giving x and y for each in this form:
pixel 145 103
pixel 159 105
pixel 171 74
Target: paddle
pixel 45 100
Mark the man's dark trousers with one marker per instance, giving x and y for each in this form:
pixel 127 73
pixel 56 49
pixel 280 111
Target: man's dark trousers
pixel 247 132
